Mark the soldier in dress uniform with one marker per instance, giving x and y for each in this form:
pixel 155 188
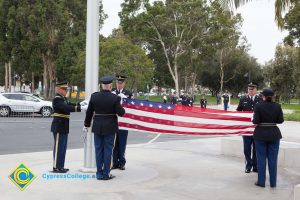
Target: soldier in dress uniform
pixel 267 137
pixel 103 108
pixel 225 100
pixel 173 98
pixel 247 103
pixel 60 125
pixel 203 102
pixel 121 140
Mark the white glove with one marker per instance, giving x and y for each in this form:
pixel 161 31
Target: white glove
pixel 84 105
pixel 122 95
pixel 85 129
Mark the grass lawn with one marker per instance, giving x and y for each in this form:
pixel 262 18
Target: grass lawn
pixel 295 116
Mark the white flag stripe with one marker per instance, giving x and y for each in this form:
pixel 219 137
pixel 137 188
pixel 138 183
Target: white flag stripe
pixel 184 119
pixel 154 132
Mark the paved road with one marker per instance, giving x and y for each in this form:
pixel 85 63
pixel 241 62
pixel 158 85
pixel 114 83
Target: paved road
pixel 28 134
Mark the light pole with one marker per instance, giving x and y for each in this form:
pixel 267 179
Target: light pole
pixel 91 75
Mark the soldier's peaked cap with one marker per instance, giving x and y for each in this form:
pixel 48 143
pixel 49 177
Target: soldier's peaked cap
pixel 121 77
pixel 62 84
pixel 252 85
pixel 106 79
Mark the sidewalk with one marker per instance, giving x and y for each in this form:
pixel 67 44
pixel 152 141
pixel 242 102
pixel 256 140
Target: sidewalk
pixel 180 170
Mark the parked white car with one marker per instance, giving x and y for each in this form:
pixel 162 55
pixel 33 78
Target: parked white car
pixel 25 103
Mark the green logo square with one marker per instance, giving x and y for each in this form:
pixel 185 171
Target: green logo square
pixel 22 176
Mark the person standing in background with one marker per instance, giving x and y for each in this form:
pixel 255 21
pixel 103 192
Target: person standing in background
pixel 203 102
pixel 225 100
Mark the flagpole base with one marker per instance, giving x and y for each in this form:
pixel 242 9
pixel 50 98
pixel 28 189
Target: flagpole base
pixel 88 170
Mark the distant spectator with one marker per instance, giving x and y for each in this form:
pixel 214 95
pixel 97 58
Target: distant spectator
pixel 218 98
pixel 225 100
pixel 203 102
pixel 173 98
pixel 165 99
pixel 146 97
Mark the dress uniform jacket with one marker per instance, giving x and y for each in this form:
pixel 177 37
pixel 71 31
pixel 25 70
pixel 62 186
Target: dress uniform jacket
pixel 266 116
pixel 62 109
pixel 247 104
pixel 104 107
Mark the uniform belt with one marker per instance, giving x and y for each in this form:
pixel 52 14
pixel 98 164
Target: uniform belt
pixel 61 115
pixel 267 124
pixel 96 114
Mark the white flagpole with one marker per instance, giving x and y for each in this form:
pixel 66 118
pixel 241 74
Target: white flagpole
pixel 91 75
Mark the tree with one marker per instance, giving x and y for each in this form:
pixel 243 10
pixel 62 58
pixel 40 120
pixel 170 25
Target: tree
pixel 45 35
pixel 120 55
pixel 175 25
pixel 226 36
pixel 281 73
pixel 292 24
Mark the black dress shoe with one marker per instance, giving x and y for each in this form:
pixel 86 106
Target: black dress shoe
pixel 65 169
pixel 247 170
pixel 108 177
pixel 256 183
pixel 115 167
pixel 255 170
pixel 56 170
pixel 122 167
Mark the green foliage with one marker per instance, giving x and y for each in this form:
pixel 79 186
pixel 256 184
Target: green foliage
pixel 292 24
pixel 43 36
pixel 183 38
pixel 120 55
pixel 279 73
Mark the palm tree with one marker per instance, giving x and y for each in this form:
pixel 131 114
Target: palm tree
pixel 281 6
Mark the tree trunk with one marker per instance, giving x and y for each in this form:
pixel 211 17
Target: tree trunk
pixel 51 74
pixel 9 76
pixel 46 82
pixel 194 76
pixel 78 94
pixel 221 72
pixel 135 90
pixel 6 77
pixel 32 82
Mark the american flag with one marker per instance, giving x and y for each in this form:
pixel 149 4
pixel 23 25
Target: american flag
pixel 154 117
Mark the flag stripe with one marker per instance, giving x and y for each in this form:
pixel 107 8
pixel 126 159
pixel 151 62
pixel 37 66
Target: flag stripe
pixel 154 117
pixel 184 118
pixel 184 124
pixel 181 129
pixel 156 130
pixel 189 113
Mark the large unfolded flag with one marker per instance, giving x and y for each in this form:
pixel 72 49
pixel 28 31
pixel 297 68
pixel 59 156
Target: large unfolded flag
pixel 154 117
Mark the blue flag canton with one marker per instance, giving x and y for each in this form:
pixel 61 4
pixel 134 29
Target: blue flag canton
pixel 149 104
pixel 22 176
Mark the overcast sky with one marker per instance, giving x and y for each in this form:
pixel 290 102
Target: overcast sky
pixel 259 26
